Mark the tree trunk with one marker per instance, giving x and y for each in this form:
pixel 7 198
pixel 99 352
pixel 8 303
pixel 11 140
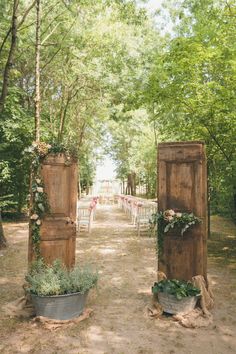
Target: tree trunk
pixel 147 187
pixel 129 184
pixel 234 203
pixel 20 199
pixel 208 204
pixel 9 63
pixel 4 90
pixel 133 183
pixel 37 72
pixel 3 241
pixel 79 184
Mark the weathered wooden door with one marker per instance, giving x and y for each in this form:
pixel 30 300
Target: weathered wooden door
pixel 58 229
pixel 182 185
pixel 60 179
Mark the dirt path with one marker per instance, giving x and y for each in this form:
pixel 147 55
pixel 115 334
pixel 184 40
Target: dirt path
pixel 119 325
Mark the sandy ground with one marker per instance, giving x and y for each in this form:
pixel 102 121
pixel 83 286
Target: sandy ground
pixel 127 268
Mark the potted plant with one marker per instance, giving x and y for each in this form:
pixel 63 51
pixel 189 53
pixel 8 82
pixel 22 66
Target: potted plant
pixel 59 293
pixel 172 220
pixel 176 296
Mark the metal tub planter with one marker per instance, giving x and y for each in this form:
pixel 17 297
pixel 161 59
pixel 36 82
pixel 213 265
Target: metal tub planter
pixel 60 307
pixel 59 293
pixel 176 296
pixel 171 305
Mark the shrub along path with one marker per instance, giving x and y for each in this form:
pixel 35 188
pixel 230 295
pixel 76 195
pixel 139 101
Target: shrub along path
pixel 120 325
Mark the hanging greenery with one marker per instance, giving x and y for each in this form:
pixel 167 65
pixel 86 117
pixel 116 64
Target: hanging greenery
pixel 171 219
pixel 38 198
pixel 39 205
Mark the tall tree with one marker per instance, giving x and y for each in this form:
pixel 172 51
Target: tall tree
pixel 37 70
pixel 192 84
pixel 9 62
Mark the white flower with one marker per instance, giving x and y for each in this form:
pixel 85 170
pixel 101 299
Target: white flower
pixel 34 217
pixel 49 146
pixel 40 189
pixel 38 222
pixel 38 180
pixel 171 212
pixel 178 215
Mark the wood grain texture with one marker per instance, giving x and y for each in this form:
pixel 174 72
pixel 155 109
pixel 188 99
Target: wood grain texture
pixel 58 241
pixel 182 186
pixel 58 229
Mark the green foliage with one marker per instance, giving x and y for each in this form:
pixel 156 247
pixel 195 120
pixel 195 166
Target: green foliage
pixel 39 201
pixel 192 87
pixel 179 288
pixel 15 135
pixel 87 172
pixel 106 67
pixel 133 148
pixel 88 59
pixel 47 280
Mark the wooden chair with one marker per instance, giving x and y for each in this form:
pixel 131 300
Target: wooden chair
pixel 84 217
pixel 135 211
pixel 143 217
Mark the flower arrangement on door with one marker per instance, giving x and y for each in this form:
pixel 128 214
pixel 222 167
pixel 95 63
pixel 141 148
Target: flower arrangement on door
pixel 173 220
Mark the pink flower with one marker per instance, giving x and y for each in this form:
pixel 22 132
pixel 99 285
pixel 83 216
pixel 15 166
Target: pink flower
pixel 169 213
pixel 169 218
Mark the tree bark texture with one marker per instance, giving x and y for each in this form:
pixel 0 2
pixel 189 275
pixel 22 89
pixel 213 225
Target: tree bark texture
pixel 3 241
pixel 9 63
pixel 131 184
pixel 37 71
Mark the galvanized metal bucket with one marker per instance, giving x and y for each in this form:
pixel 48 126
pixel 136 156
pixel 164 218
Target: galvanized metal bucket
pixel 60 307
pixel 172 305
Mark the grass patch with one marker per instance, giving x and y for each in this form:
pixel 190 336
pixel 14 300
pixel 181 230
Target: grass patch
pixel 222 241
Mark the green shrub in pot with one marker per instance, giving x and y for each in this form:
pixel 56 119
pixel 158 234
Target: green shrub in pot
pixel 176 296
pixel 45 280
pixel 179 288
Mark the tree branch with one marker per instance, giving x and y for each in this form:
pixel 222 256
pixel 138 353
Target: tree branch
pixel 5 39
pixel 26 14
pixel 58 50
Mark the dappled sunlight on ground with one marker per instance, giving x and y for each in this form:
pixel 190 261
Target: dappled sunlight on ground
pixel 127 269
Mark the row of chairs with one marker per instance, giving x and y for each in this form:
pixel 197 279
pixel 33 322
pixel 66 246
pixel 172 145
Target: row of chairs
pixel 107 199
pixel 139 210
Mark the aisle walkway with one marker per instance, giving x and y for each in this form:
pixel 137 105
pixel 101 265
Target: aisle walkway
pixel 119 325
pixel 127 267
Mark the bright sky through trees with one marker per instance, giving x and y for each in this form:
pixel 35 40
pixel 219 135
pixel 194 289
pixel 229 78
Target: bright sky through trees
pixel 106 169
pixel 118 81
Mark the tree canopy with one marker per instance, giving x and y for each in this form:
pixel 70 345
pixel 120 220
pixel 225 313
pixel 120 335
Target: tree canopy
pixel 111 78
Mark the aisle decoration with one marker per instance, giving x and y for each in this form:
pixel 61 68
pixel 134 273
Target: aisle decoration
pixel 169 220
pixel 39 205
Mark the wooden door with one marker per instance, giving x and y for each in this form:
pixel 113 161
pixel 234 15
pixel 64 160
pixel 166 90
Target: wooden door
pixel 60 180
pixel 58 228
pixel 182 186
pixel 58 237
